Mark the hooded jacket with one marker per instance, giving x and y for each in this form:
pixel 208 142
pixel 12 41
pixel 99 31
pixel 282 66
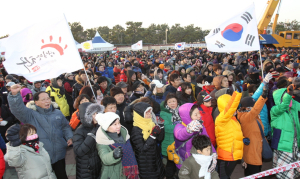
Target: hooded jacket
pixel 284 121
pixel 88 163
pixel 163 81
pixel 181 134
pixel 28 163
pixel 110 71
pixel 146 151
pixel 190 168
pixel 111 167
pixel 252 153
pixel 24 92
pixel 61 100
pixel 52 127
pixel 228 130
pixel 208 122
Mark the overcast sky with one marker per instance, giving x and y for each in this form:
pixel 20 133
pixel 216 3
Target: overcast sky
pixel 18 14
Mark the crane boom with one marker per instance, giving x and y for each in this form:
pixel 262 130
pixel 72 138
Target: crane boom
pixel 276 18
pixel 266 18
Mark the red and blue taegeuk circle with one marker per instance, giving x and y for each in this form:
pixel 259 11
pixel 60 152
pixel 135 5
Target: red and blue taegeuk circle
pixel 233 32
pixel 179 45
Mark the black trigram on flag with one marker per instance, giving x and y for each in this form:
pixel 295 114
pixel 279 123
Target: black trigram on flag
pixel 247 17
pixel 219 44
pixel 216 30
pixel 249 40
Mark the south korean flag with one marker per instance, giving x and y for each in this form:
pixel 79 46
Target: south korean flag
pixel 237 34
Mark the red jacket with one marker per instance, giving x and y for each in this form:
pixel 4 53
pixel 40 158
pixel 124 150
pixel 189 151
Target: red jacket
pixel 117 74
pixel 208 122
pixel 2 164
pixel 123 76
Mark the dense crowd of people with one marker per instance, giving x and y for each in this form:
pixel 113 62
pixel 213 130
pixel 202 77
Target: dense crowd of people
pixel 155 114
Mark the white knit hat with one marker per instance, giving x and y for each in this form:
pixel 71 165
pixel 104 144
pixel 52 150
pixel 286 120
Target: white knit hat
pixel 106 119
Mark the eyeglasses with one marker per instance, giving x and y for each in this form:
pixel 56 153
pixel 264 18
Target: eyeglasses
pixel 45 99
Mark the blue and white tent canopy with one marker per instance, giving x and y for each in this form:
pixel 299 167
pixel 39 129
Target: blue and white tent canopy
pixel 99 42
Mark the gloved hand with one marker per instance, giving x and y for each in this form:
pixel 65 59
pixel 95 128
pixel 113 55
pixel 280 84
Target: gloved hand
pixel 194 126
pixel 160 122
pixel 152 86
pixel 290 89
pixel 265 91
pixel 95 129
pixel 118 152
pixel 155 131
pixel 27 96
pixel 213 164
pixel 267 78
pixel 245 87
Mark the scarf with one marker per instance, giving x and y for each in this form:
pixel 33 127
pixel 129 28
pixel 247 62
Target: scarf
pixel 33 142
pixel 130 167
pixel 204 162
pixel 175 115
pixel 145 124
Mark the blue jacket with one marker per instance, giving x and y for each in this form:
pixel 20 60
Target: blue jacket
pixel 104 73
pixel 264 112
pixel 158 99
pixel 110 71
pixel 52 127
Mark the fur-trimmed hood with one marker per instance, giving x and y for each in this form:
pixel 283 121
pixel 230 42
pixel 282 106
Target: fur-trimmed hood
pixel 31 105
pixel 86 112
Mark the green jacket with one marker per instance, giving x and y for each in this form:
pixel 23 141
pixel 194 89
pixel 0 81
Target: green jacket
pixel 284 121
pixel 166 115
pixel 111 167
pixel 190 168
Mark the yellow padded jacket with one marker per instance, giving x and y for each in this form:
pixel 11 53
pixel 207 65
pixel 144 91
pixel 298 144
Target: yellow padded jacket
pixel 61 100
pixel 229 136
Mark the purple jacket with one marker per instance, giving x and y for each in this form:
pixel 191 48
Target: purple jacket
pixel 181 135
pixel 24 92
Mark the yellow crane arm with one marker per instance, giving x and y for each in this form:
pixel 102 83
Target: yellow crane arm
pixel 266 18
pixel 276 19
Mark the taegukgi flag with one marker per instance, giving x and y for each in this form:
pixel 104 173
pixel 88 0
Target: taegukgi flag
pixel 180 46
pixel 137 46
pixel 42 51
pixel 88 45
pixel 237 34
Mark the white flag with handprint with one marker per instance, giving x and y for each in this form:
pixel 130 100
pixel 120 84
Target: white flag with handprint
pixel 137 46
pixel 42 51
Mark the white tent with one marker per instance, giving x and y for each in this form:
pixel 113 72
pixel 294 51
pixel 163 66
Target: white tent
pixel 99 42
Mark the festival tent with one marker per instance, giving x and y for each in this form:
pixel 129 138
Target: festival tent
pixel 99 42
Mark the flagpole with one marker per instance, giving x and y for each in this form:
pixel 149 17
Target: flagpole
pixel 261 64
pixel 81 61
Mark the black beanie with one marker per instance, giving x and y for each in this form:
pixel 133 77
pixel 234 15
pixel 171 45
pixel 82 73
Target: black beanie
pixel 268 68
pixel 12 135
pixel 116 90
pixel 135 85
pixel 247 102
pixel 282 82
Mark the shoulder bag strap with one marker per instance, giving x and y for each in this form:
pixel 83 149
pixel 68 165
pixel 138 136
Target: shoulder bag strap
pixel 260 128
pixel 186 142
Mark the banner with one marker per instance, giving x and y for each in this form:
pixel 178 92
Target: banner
pixel 88 45
pixel 180 46
pixel 137 46
pixel 237 34
pixel 42 51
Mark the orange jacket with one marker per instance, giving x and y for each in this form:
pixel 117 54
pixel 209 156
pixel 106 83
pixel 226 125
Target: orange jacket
pixel 252 152
pixel 74 122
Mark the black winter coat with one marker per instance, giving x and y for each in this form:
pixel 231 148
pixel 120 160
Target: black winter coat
pixel 121 108
pixel 7 116
pixel 147 154
pixel 88 163
pixel 170 89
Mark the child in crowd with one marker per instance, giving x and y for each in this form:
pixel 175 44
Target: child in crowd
pixel 114 148
pixel 28 155
pixel 191 126
pixel 196 166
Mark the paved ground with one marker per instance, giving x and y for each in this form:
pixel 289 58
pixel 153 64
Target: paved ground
pixel 10 172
